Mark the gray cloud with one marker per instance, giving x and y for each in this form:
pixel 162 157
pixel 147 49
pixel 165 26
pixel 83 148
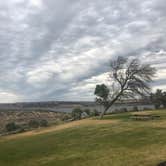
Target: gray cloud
pixel 59 50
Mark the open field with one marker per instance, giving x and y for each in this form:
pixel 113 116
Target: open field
pixel 117 140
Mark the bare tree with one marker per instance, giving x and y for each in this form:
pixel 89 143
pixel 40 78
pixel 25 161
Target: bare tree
pixel 127 78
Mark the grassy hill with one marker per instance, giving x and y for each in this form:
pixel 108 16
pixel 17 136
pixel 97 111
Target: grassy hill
pixel 117 140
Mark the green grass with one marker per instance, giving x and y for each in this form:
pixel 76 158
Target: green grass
pixel 123 143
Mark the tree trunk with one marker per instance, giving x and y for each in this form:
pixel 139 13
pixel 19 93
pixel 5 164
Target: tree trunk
pixel 110 104
pixel 103 112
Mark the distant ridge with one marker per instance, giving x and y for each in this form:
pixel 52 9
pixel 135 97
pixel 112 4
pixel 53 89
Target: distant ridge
pixel 64 106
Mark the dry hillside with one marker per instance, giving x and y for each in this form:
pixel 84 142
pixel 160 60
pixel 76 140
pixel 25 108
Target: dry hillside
pixel 23 117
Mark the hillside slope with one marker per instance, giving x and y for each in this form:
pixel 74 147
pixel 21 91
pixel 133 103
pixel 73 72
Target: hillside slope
pixel 23 117
pixel 117 141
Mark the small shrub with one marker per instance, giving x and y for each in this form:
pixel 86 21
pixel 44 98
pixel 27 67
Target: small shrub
pixel 66 117
pixel 76 113
pixel 94 113
pixel 33 124
pixel 43 123
pixel 123 110
pixel 11 126
pixel 21 130
pixel 146 109
pixel 135 108
pixel 87 111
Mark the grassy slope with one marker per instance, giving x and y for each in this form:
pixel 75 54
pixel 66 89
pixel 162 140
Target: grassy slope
pixel 116 141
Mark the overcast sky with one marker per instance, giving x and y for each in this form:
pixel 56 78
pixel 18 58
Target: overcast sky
pixel 60 49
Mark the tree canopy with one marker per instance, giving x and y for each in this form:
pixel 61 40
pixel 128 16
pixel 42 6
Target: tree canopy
pixel 128 77
pixel 159 98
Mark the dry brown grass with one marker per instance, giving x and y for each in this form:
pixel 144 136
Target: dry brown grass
pixel 117 141
pixel 84 122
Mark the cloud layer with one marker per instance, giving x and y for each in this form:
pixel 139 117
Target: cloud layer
pixel 59 50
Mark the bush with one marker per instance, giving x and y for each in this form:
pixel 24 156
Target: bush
pixel 95 113
pixel 146 108
pixel 76 113
pixel 11 126
pixel 33 124
pixel 123 110
pixel 87 111
pixel 65 117
pixel 43 123
pixel 135 108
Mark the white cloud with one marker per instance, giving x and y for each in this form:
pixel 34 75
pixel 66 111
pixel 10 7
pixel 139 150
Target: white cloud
pixel 10 97
pixel 36 3
pixel 60 49
pixel 161 74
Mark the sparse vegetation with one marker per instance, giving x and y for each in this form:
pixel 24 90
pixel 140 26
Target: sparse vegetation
pixel 11 126
pixel 135 108
pixel 76 113
pixel 117 140
pixel 79 113
pixel 159 98
pixel 94 113
pixel 20 121
pixel 123 109
pixel 33 124
pixel 66 117
pixel 88 112
pixel 43 123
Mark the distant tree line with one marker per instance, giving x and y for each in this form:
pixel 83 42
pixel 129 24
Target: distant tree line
pixel 159 98
pixel 79 113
